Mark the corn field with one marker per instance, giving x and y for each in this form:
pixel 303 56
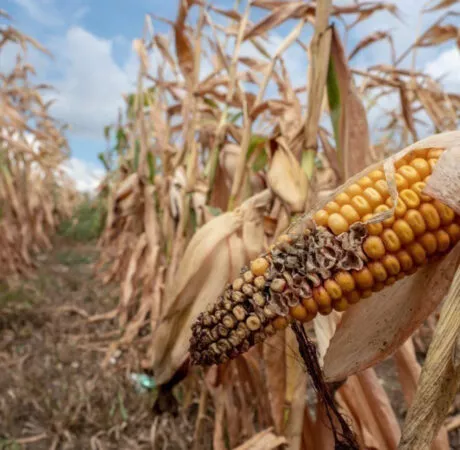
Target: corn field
pixel 273 245
pixel 35 193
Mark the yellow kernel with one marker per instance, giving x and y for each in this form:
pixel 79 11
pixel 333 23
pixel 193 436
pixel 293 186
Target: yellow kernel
pixel 378 286
pixel 325 310
pixel 410 174
pixel 361 205
pixel 403 231
pixel 389 281
pixel 342 199
pixel 432 162
pixel 421 166
pixel 391 264
pixel 430 216
pixel 400 209
pixel 284 238
pixel 410 198
pixel 435 153
pixel 373 247
pixel 353 189
pixel 419 153
pixel 280 323
pixel 345 281
pixel 349 213
pixel 363 278
pixel 341 304
pixel 418 189
pixel 378 270
pixel 415 221
pixel 299 313
pixel 374 229
pixel 353 297
pixel 405 260
pixel 400 276
pixel 381 186
pixel 333 289
pixel 373 197
pixel 332 207
pixel 376 175
pixel 365 182
pixel 443 239
pixel 259 266
pixel 337 223
pixel 366 293
pixel 321 217
pixel 401 162
pixel 401 182
pixel 412 271
pixel 429 243
pixel 417 252
pixel 387 222
pixel 454 232
pixel 310 305
pixel 446 214
pixel 390 240
pixel 322 298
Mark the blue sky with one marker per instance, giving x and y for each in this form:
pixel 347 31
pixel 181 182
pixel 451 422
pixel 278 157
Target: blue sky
pixel 93 62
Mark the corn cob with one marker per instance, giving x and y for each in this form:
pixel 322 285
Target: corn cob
pixel 335 262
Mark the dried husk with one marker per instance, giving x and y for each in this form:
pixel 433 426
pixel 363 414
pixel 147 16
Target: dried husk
pixel 228 242
pixel 440 378
pixel 287 179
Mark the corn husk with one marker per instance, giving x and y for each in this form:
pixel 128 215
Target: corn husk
pixel 228 242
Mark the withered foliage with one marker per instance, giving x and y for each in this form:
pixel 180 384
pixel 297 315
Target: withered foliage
pixel 35 193
pixel 208 169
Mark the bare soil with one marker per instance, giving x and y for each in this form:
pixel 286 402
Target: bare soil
pixel 54 393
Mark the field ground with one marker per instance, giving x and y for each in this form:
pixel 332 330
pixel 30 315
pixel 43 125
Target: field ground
pixel 53 393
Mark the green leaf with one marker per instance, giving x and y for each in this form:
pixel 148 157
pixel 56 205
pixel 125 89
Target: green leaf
pixel 124 413
pixel 335 106
pixel 103 160
pixel 234 117
pixel 151 164
pixel 214 210
pixel 137 151
pixel 211 103
pixel 107 131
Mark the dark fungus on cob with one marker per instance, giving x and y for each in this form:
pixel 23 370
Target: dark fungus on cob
pixel 336 261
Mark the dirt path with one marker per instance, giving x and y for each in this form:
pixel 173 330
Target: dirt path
pixel 53 394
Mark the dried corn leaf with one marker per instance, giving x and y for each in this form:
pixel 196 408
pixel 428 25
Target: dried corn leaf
pixel 265 440
pixel 347 112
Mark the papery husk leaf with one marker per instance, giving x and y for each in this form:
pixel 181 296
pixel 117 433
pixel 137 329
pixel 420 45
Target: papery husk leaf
pixel 217 245
pixel 275 366
pixel 440 378
pixel 287 179
pixel 444 182
pixel 296 391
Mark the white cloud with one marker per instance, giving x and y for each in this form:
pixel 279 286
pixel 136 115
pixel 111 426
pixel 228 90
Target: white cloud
pixel 42 11
pixel 86 175
pixel 447 66
pixel 91 85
